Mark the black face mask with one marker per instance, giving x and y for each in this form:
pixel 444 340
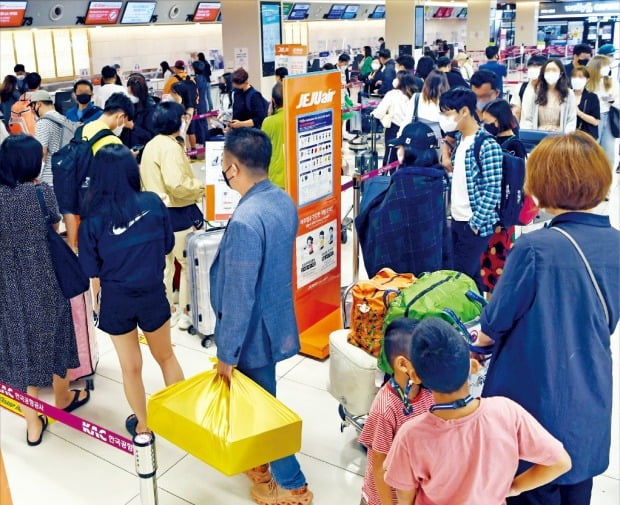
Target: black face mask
pixel 491 128
pixel 222 87
pixel 583 62
pixel 84 98
pixel 226 179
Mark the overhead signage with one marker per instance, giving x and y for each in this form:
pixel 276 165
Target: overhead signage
pixel 138 13
pixel 207 12
pixel 578 8
pixel 103 13
pixel 12 14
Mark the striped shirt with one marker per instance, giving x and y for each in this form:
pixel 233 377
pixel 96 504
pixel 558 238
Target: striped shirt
pixel 49 134
pixel 384 420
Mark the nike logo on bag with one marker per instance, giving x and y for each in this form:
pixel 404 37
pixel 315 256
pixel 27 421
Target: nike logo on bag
pixel 123 229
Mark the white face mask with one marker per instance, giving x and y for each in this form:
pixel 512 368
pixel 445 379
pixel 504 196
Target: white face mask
pixel 117 131
pixel 395 83
pixel 447 123
pixel 552 77
pixel 533 73
pixel 578 83
pixel 375 66
pixel 605 71
pixel 400 155
pixel 20 77
pixel 134 99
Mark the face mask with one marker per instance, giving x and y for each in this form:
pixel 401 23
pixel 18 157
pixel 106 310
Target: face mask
pixel 400 154
pixel 605 72
pixel 447 123
pixel 226 179
pixel 83 98
pixel 20 77
pixel 583 62
pixel 491 128
pixel 552 78
pixel 36 112
pixel 481 104
pixel 533 73
pixel 222 87
pixel 134 99
pixel 395 83
pixel 578 83
pixel 375 66
pixel 119 128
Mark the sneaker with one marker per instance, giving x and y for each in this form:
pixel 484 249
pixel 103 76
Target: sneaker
pixel 174 317
pixel 259 474
pixel 271 494
pixel 184 321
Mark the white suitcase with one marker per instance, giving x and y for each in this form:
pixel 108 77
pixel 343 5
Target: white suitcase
pixel 352 374
pixel 200 250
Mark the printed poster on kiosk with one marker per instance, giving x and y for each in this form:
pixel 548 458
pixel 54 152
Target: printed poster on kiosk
pixel 313 161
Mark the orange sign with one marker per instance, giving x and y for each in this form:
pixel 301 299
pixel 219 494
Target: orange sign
pixel 313 158
pixel 294 57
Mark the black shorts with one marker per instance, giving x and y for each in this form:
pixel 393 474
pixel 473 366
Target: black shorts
pixel 122 311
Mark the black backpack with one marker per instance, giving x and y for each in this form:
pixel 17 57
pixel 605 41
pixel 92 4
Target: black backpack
pixel 191 91
pixel 71 169
pixel 513 178
pixel 248 100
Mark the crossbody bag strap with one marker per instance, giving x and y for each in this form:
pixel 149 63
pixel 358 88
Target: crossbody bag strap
pixel 589 270
pixel 416 103
pixel 45 211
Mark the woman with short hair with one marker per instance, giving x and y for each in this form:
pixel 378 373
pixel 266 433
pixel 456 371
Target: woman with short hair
pixel 554 310
pixel 37 338
pixel 125 236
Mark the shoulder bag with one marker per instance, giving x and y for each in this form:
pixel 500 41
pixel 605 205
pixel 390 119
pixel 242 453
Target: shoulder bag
pixel 69 274
pixel 597 288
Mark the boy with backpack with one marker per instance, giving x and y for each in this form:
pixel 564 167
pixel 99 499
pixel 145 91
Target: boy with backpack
pixel 476 181
pixel 52 130
pixel 465 450
pixel 397 402
pixel 249 106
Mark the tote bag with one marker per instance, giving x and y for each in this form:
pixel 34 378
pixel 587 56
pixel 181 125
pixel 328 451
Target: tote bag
pixel 71 278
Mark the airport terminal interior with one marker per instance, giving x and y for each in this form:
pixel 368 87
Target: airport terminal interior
pixel 68 40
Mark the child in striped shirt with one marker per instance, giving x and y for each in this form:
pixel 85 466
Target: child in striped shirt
pixel 398 401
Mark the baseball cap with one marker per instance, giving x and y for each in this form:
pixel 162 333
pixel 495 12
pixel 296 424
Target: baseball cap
pixel 443 61
pixel 41 96
pixel 417 135
pixel 606 49
pixel 179 64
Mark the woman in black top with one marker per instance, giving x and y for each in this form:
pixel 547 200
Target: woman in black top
pixel 207 74
pixel 588 105
pixel 144 107
pixel 500 122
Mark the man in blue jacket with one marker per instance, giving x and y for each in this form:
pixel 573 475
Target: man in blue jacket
pixel 252 292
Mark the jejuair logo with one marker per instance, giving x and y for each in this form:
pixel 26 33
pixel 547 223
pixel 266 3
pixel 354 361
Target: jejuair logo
pixel 315 98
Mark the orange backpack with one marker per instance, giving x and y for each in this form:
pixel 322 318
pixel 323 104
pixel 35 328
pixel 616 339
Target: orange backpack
pixel 371 299
pixel 22 117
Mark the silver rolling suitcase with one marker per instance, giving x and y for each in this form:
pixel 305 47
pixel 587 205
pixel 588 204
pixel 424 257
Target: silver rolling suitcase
pixel 200 250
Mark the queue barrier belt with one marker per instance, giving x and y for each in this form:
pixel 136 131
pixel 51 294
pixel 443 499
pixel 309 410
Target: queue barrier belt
pixel 89 428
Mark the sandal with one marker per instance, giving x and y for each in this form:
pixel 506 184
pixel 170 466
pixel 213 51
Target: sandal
pixel 44 422
pixel 130 424
pixel 76 403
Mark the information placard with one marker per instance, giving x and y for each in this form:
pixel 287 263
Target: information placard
pixel 103 13
pixel 313 161
pixel 12 14
pixel 206 12
pixel 294 57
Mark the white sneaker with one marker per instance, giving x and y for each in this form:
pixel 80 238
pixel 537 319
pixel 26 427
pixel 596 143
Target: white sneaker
pixel 184 321
pixel 174 317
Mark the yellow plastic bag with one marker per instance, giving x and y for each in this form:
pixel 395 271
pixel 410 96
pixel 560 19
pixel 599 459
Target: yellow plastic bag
pixel 232 429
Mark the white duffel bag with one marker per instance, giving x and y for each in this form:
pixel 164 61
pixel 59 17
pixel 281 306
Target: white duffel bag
pixel 352 374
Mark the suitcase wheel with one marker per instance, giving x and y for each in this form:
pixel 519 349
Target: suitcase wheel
pixel 206 342
pixel 341 412
pixel 192 330
pixel 343 233
pixel 90 385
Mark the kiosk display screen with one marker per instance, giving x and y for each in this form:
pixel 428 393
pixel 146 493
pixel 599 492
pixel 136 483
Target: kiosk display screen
pixel 12 14
pixel 138 13
pixel 378 13
pixel 103 13
pixel 336 11
pixel 298 12
pixel 350 12
pixel 271 34
pixel 207 12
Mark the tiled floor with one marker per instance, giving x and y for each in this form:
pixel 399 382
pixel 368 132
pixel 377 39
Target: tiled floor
pixel 72 469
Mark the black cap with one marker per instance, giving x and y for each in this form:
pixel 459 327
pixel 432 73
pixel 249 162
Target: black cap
pixel 417 135
pixel 443 61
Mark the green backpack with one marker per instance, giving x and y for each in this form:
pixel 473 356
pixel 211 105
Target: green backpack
pixel 449 295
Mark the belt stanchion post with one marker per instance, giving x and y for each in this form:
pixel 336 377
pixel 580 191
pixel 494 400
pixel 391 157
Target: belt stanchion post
pixel 146 467
pixel 357 193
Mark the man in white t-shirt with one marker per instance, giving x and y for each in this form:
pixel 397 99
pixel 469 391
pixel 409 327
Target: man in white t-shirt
pixel 108 86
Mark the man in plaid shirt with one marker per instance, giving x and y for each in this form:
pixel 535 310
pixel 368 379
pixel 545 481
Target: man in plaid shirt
pixel 476 189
